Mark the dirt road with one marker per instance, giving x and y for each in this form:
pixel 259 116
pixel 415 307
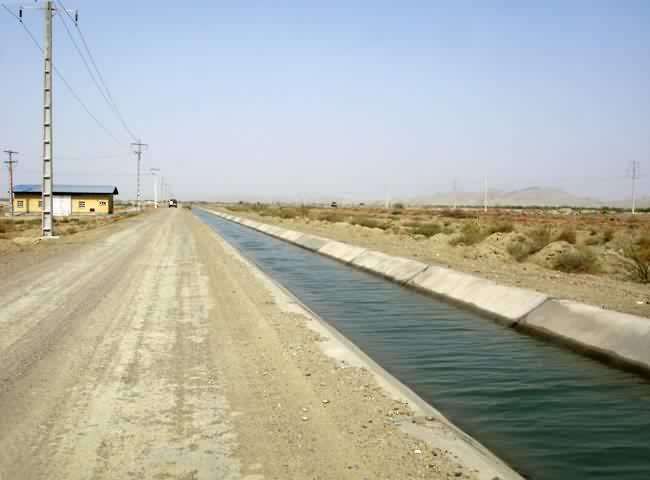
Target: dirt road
pixel 156 353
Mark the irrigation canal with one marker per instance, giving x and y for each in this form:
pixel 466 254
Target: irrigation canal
pixel 551 413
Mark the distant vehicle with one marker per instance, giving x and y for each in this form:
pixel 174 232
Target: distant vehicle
pixel 173 203
pixel 333 205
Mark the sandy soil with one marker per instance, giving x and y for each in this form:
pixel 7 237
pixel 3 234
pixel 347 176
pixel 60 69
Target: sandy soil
pixel 488 259
pixel 154 353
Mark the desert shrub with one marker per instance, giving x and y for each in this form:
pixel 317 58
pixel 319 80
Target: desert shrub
pixel 332 217
pixel 539 237
pixel 287 213
pixel 501 227
pixel 398 206
pixel 580 260
pixel 608 235
pixel 594 240
pixel 3 228
pixel 470 234
pixel 519 248
pixel 71 230
pixel 426 229
pixel 369 222
pixel 567 234
pixel 639 256
pixel 454 213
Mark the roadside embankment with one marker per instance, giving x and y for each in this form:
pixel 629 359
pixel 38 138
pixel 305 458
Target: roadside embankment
pixel 614 336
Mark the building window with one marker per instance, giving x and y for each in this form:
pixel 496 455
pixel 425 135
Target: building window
pixel 82 204
pixel 20 203
pixel 102 203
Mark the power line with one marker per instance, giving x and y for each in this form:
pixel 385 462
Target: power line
pixel 105 91
pixel 62 78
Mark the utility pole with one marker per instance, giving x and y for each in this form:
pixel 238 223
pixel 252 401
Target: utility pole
pixel 635 175
pixel 10 163
pixel 485 195
pixel 47 191
pixel 139 148
pixel 155 186
pixel 455 194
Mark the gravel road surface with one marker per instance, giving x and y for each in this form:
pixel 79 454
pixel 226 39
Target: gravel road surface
pixel 154 352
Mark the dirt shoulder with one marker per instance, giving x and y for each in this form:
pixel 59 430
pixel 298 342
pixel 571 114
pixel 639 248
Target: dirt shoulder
pixel 488 259
pixel 154 352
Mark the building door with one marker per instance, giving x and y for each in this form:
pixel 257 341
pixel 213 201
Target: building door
pixel 62 205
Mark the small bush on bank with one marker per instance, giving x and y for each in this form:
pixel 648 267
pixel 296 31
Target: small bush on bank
pixel 454 213
pixel 580 260
pixel 639 256
pixel 519 248
pixel 370 223
pixel 568 235
pixel 332 217
pixel 539 237
pixel 470 234
pixel 501 227
pixel 426 229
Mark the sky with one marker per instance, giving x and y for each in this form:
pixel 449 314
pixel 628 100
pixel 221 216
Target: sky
pixel 282 100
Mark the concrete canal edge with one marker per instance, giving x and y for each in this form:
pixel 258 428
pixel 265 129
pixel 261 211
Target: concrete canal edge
pixel 436 430
pixel 615 337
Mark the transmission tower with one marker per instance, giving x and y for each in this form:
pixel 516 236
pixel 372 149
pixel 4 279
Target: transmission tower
pixel 139 147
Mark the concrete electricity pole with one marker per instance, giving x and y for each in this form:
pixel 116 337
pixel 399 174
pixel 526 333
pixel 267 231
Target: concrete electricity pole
pixel 139 148
pixel 635 175
pixel 485 195
pixel 155 186
pixel 10 163
pixel 47 221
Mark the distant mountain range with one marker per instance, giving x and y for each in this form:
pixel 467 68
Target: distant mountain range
pixel 532 196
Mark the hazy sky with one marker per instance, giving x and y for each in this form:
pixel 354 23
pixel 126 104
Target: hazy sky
pixel 290 99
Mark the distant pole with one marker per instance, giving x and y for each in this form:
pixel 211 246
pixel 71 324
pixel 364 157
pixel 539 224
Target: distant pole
pixel 455 194
pixel 155 186
pixel 485 195
pixel 10 163
pixel 635 175
pixel 47 223
pixel 139 148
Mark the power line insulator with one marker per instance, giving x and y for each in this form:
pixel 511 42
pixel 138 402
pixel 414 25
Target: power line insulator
pixel 20 14
pixel 76 17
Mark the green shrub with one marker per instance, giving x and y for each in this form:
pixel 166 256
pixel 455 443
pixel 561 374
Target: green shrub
pixel 568 235
pixel 470 234
pixel 580 260
pixel 426 229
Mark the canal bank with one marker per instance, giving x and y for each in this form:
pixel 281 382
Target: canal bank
pixel 618 338
pixel 549 412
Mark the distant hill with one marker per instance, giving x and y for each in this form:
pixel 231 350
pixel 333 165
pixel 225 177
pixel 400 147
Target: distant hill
pixel 532 196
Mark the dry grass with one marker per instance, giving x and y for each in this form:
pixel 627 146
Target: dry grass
pixel 501 227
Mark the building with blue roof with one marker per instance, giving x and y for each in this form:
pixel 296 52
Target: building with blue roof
pixel 67 199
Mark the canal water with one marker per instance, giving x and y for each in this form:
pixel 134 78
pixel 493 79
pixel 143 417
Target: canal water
pixel 550 413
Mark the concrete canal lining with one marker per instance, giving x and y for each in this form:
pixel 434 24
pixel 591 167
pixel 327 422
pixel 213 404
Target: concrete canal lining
pixel 437 431
pixel 621 338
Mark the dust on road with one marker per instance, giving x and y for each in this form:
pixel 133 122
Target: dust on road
pixel 155 353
